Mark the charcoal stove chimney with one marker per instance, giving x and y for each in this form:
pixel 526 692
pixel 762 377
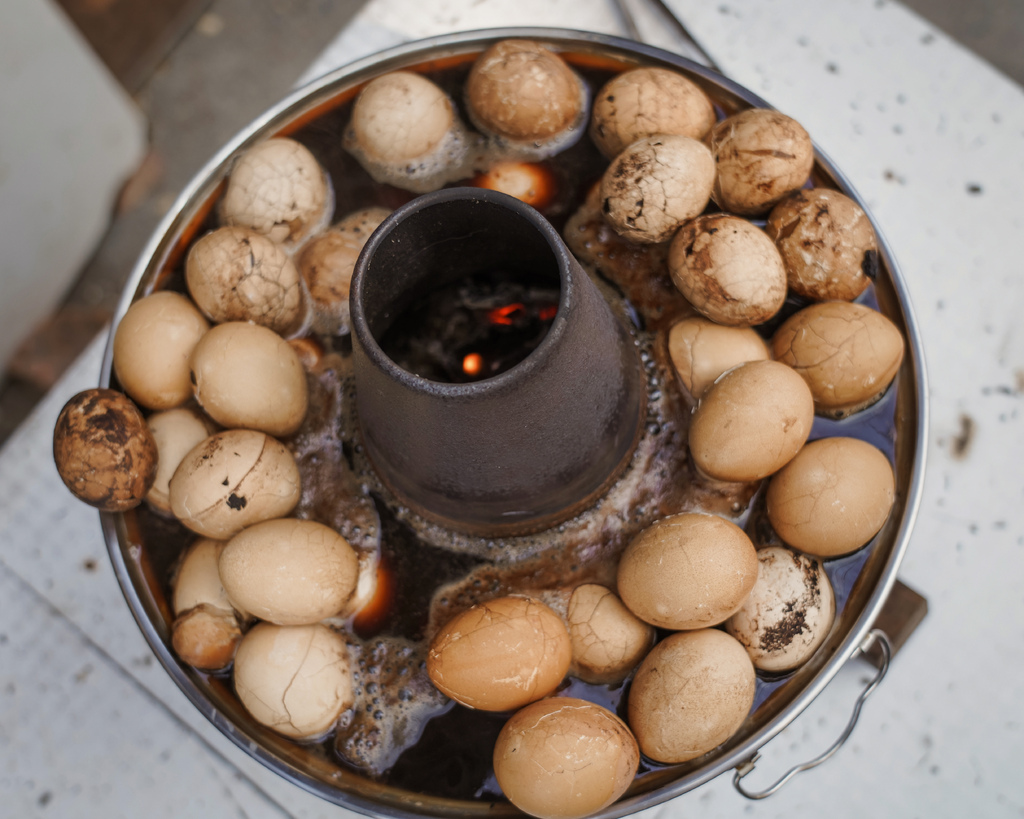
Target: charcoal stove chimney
pixel 524 449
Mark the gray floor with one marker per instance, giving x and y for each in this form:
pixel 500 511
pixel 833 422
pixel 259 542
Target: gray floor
pixel 242 56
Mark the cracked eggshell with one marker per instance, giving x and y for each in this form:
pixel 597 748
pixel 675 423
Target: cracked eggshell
pixel 197 581
pixel 608 640
pixel 245 375
pixel 327 262
pixel 288 571
pixel 701 350
pixel 728 269
pixel 206 637
pixel 296 680
pixel 152 346
pixel 690 694
pixel 655 185
pixel 751 422
pixel 500 654
pixel 826 242
pixel 234 479
pixel 176 432
pixel 648 101
pixel 237 274
pixel 564 758
pixel 687 571
pixel 847 353
pixel 103 450
pixel 761 156
pixel 405 132
pixel 833 497
pixel 278 189
pixel 527 96
pixel 788 613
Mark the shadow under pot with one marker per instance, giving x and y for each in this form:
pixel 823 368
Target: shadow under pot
pixel 496 390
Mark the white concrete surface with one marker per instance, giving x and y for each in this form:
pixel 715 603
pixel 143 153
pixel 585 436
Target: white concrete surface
pixel 69 138
pixel 932 137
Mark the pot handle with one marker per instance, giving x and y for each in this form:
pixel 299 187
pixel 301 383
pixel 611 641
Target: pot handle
pixel 875 636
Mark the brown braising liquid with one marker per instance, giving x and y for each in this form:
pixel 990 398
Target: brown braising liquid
pixel 401 730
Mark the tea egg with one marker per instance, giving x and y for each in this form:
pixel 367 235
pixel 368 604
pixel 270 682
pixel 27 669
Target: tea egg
pixel 500 654
pixel 176 432
pixel 294 679
pixel 103 450
pixel 690 694
pixel 701 350
pixel 687 571
pixel 833 497
pixel 152 346
pixel 564 758
pixel 245 375
pixel 788 613
pixel 751 421
pixel 234 479
pixel 288 571
pixel 608 640
pixel 847 353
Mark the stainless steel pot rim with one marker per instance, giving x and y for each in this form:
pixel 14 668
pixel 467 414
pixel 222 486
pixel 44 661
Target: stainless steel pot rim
pixel 318 91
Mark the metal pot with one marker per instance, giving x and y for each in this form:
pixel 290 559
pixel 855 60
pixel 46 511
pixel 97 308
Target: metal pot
pixel 878 563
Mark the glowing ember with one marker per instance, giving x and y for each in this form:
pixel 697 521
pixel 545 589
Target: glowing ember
pixel 473 364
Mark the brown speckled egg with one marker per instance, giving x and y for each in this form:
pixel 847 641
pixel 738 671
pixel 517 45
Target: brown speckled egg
pixel 833 497
pixel 152 346
pixel 288 571
pixel 608 640
pixel 728 269
pixel 648 101
pixel 847 353
pixel 691 693
pixel 654 185
pixel 237 274
pixel 248 376
pixel 761 156
pixel 500 654
pixel 526 95
pixel 687 571
pixel 104 452
pixel 277 188
pixel 294 679
pixel 788 613
pixel 701 350
pixel 826 242
pixel 232 480
pixel 564 758
pixel 751 422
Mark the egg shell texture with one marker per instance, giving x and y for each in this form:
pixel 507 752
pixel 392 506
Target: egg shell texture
pixel 500 654
pixel 564 758
pixel 648 101
pixel 655 185
pixel 237 274
pixel 197 581
pixel 701 350
pixel 103 450
pixel 728 269
pixel 608 640
pixel 206 637
pixel 761 156
pixel 248 376
pixel 833 497
pixel 751 422
pixel 687 571
pixel 277 188
pixel 232 480
pixel 788 613
pixel 847 353
pixel 294 679
pixel 827 244
pixel 176 432
pixel 520 90
pixel 690 694
pixel 152 346
pixel 288 571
